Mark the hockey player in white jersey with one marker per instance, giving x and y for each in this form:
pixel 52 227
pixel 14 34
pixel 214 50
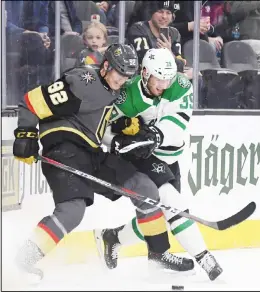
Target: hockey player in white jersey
pixel 159 101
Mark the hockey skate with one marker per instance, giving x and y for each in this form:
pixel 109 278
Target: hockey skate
pixel 26 260
pixel 169 262
pixel 111 245
pixel 210 265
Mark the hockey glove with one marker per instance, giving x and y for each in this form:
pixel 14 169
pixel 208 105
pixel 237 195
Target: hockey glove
pixel 146 134
pixel 127 126
pixel 26 146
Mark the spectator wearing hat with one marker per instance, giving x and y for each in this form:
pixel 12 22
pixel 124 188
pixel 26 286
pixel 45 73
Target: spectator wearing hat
pixel 182 20
pixel 145 35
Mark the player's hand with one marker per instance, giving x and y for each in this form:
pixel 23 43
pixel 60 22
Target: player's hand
pixel 26 145
pixel 143 152
pixel 127 126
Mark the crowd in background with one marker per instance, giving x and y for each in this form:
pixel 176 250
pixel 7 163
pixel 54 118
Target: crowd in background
pixel 229 59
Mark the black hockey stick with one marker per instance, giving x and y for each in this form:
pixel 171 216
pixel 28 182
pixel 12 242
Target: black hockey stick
pixel 219 225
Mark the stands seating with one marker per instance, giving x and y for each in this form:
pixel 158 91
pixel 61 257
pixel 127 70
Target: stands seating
pixel 71 45
pixel 85 9
pixel 221 87
pixel 240 57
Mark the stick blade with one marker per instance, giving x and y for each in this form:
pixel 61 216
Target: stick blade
pixel 238 217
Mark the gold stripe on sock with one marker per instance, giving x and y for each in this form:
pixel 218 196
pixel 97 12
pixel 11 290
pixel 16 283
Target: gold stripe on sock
pixel 152 227
pixel 43 239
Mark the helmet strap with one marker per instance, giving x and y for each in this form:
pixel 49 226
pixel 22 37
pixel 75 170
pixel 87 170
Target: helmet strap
pixel 144 81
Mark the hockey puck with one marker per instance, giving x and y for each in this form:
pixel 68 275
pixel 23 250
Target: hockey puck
pixel 175 287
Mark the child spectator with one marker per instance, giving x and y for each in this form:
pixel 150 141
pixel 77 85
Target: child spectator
pixel 95 40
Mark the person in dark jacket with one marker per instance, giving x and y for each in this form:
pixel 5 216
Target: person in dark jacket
pixel 26 17
pixel 144 35
pixel 105 9
pixel 70 23
pixel 27 39
pixel 183 18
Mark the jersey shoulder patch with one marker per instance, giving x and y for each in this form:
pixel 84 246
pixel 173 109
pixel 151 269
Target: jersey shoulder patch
pixel 183 81
pixel 121 98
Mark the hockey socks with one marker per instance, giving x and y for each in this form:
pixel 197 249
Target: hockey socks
pixel 43 240
pixel 186 231
pixel 154 230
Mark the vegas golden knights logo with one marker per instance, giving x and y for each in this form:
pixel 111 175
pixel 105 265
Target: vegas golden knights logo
pixel 103 122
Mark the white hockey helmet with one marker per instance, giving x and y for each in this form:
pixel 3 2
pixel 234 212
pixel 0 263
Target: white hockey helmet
pixel 160 63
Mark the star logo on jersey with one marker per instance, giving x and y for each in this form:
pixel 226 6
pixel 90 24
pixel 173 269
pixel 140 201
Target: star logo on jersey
pixel 151 57
pixel 158 168
pixel 88 77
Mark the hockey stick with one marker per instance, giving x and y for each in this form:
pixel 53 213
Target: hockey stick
pixel 218 225
pixel 135 145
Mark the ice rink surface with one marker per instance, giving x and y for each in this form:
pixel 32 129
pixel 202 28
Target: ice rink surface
pixel 241 268
pixel 241 273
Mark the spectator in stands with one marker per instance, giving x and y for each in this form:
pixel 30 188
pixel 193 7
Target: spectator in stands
pixel 24 18
pixel 113 14
pixel 104 7
pixel 183 20
pixel 27 37
pixel 108 16
pixel 214 11
pixel 246 15
pixel 70 23
pixel 243 22
pixel 146 34
pixel 95 39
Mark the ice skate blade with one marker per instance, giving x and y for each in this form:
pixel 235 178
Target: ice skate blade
pixel 100 247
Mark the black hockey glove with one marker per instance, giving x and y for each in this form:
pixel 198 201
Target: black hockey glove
pixel 26 145
pixel 151 133
pixel 127 126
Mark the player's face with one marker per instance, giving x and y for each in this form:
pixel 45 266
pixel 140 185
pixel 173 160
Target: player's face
pixel 115 80
pixel 162 18
pixel 95 38
pixel 157 86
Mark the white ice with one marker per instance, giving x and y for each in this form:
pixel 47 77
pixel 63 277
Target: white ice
pixel 241 271
pixel 241 267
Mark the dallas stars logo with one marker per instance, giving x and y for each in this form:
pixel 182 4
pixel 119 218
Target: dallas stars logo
pixel 184 82
pixel 88 77
pixel 158 168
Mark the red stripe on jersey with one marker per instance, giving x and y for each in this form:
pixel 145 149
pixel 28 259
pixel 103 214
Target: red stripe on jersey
pixel 27 101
